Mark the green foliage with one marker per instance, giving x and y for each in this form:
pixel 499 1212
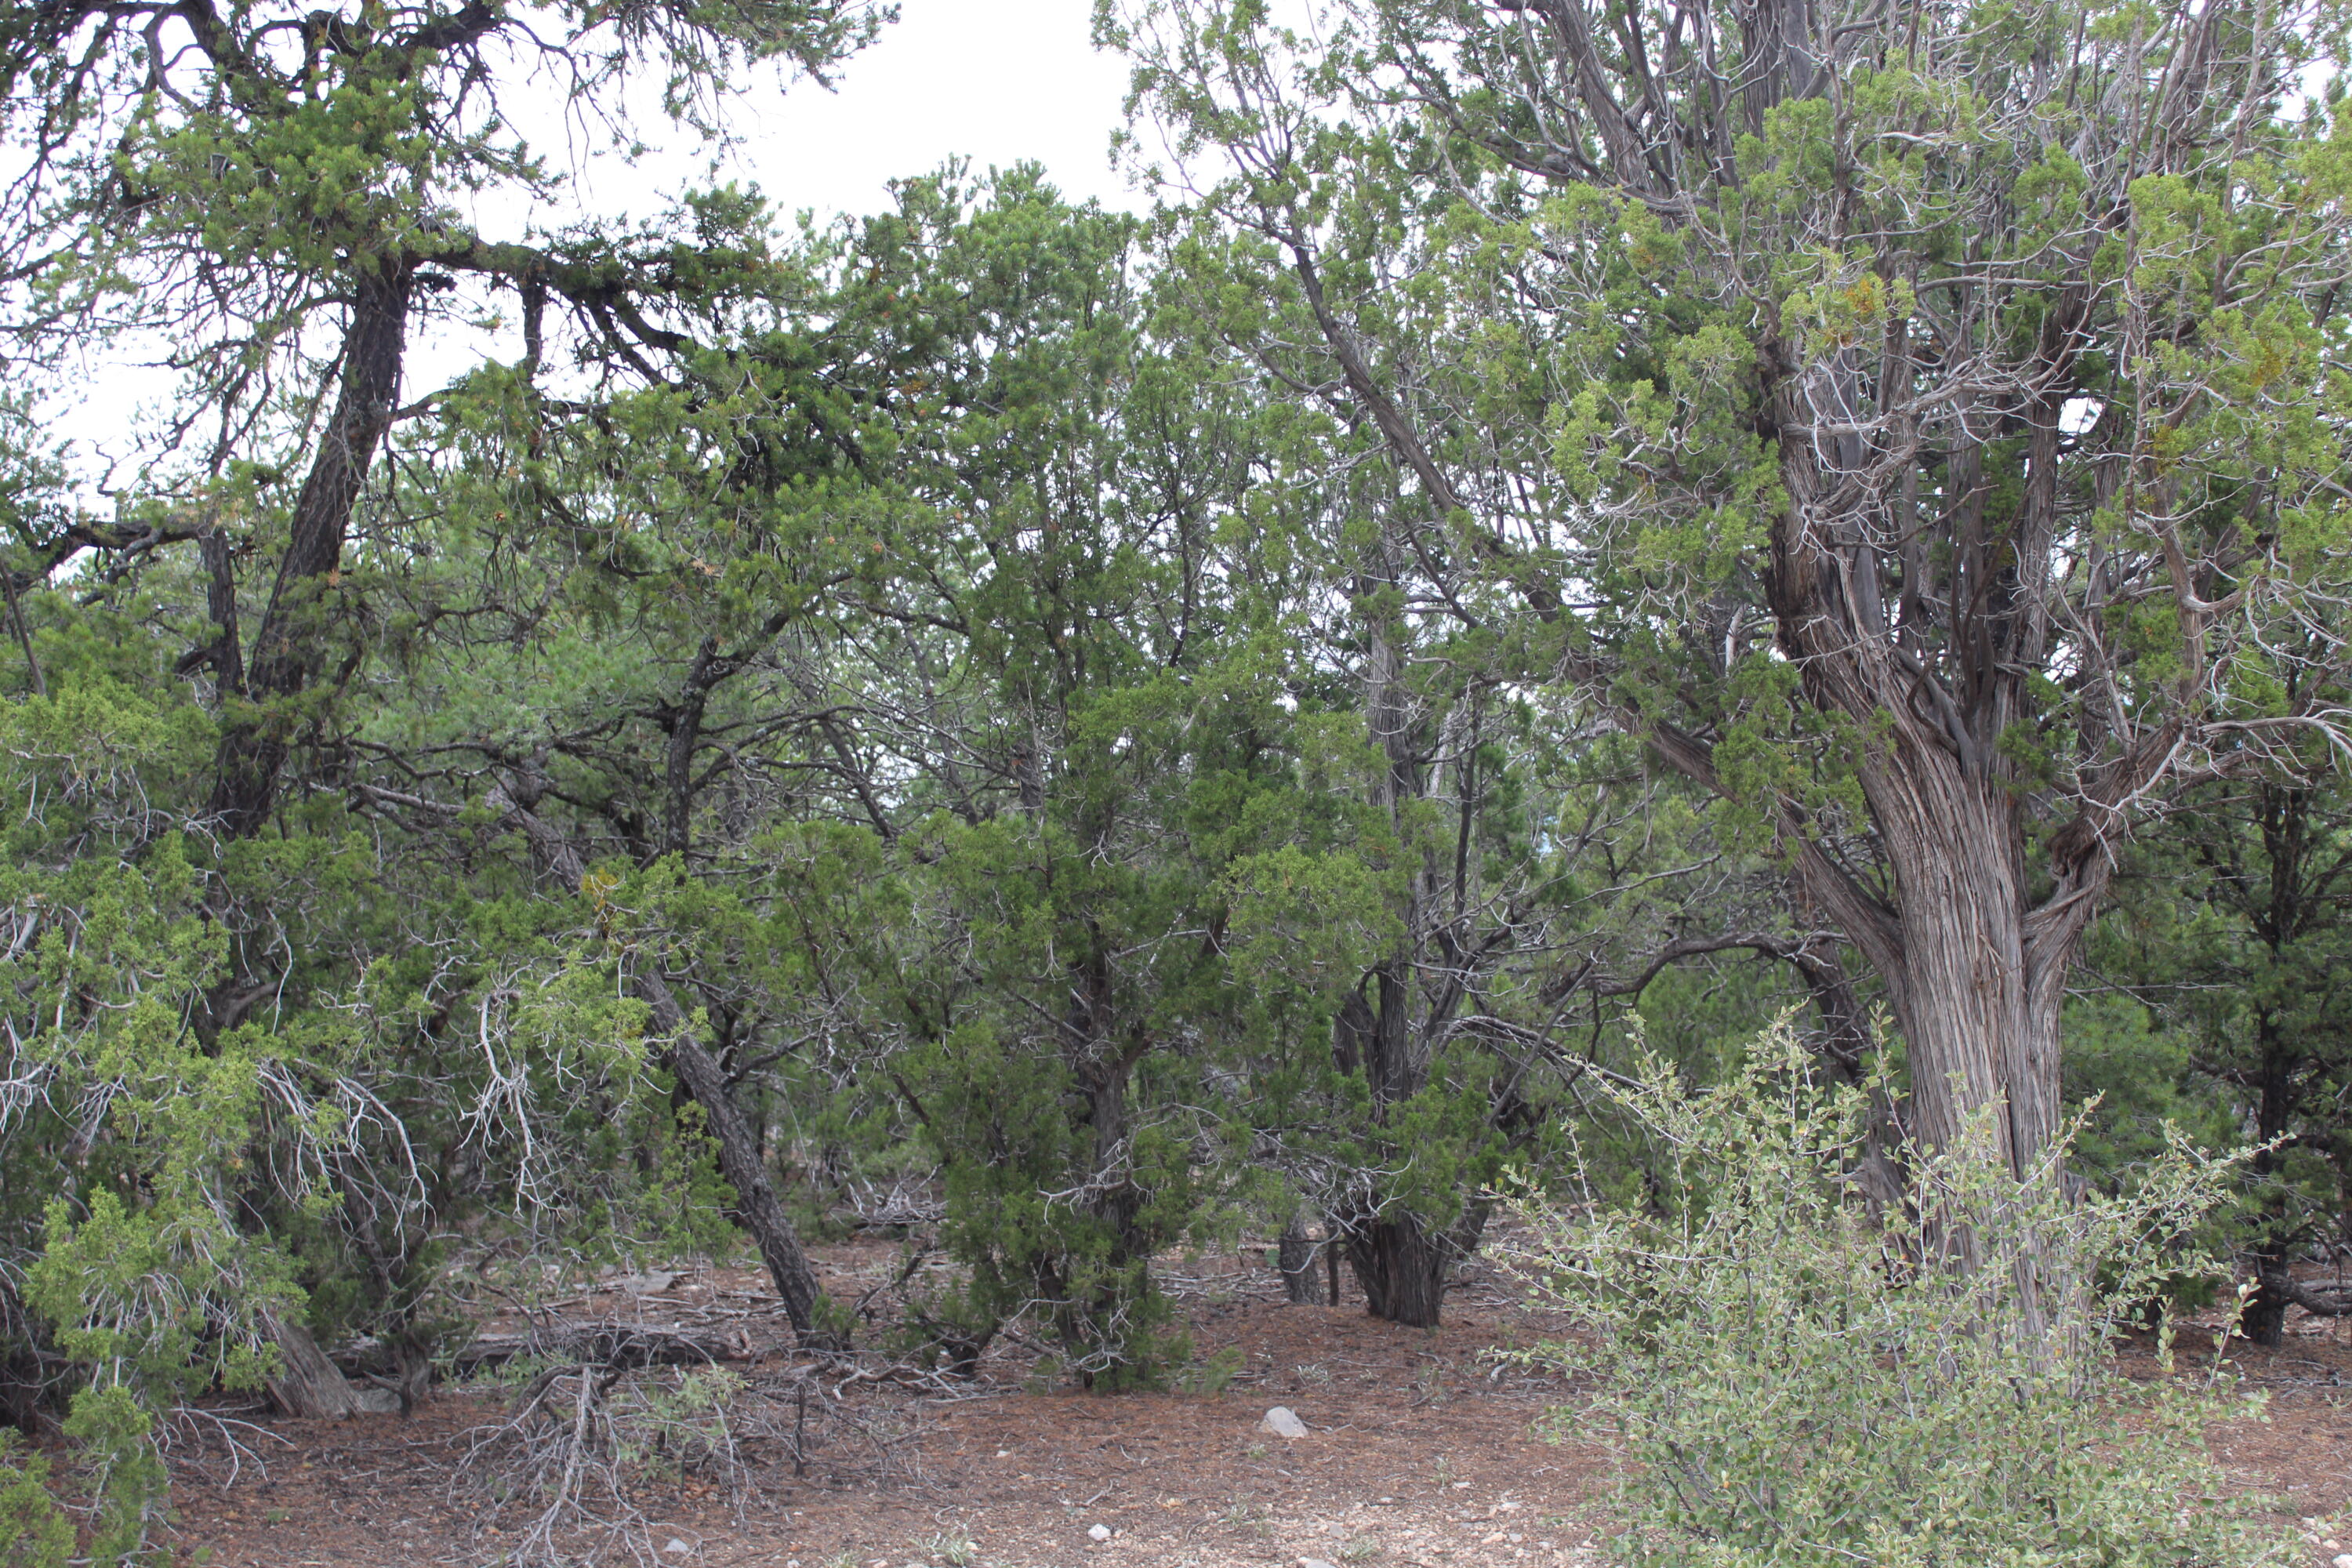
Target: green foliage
pixel 1799 1376
pixel 34 1530
pixel 121 1472
pixel 2230 952
pixel 1213 1376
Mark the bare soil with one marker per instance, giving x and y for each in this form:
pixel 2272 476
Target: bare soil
pixel 1422 1448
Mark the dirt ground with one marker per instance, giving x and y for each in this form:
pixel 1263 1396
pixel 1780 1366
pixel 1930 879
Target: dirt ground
pixel 1421 1448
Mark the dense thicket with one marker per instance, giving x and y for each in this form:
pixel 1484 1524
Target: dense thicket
pixel 1583 525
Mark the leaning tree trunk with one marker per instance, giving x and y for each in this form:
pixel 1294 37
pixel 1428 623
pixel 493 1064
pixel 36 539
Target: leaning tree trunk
pixel 305 1383
pixel 290 647
pixel 740 1159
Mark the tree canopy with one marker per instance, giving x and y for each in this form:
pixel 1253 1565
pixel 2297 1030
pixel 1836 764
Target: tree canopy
pixel 1571 534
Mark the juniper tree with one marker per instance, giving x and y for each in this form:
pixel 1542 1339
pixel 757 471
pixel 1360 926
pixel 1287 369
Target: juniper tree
pixel 1920 423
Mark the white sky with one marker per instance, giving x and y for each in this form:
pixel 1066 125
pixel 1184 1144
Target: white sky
pixel 997 82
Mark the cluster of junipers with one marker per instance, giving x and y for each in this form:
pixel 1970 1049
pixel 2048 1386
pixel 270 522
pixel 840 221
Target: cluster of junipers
pixel 1154 729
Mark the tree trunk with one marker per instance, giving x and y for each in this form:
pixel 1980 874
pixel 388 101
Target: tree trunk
pixel 739 1161
pixel 1092 1322
pixel 2262 1320
pixel 288 649
pixel 308 1385
pixel 1397 1262
pixel 740 1158
pixel 1402 1268
pixel 1976 998
pixel 1976 974
pixel 287 654
pixel 1295 1256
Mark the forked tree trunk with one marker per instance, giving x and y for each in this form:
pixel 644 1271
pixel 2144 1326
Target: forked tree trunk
pixel 1399 1262
pixel 1974 956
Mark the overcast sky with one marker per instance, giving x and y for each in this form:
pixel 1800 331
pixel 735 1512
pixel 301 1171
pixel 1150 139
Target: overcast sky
pixel 997 82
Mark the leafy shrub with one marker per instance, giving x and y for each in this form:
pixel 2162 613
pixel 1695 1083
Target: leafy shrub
pixel 1800 1378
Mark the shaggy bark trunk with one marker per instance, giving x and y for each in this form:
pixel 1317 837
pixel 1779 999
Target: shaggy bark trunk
pixel 1975 966
pixel 1976 977
pixel 1976 996
pixel 1402 1268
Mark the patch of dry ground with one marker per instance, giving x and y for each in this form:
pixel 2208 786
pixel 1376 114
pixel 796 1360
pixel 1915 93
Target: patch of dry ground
pixel 1421 1450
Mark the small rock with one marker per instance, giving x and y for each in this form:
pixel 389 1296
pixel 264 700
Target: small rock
pixel 2343 1561
pixel 1284 1422
pixel 678 1548
pixel 1315 1563
pixel 1099 1533
pixel 376 1401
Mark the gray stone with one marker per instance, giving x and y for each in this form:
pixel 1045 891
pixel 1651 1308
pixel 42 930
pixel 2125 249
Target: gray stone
pixel 1315 1563
pixel 679 1547
pixel 1099 1533
pixel 1284 1422
pixel 375 1401
pixel 2343 1561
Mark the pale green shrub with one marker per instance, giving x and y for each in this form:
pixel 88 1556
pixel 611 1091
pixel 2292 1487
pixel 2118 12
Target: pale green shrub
pixel 1798 1381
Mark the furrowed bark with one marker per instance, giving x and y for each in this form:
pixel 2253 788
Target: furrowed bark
pixel 288 648
pixel 1295 1256
pixel 308 1385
